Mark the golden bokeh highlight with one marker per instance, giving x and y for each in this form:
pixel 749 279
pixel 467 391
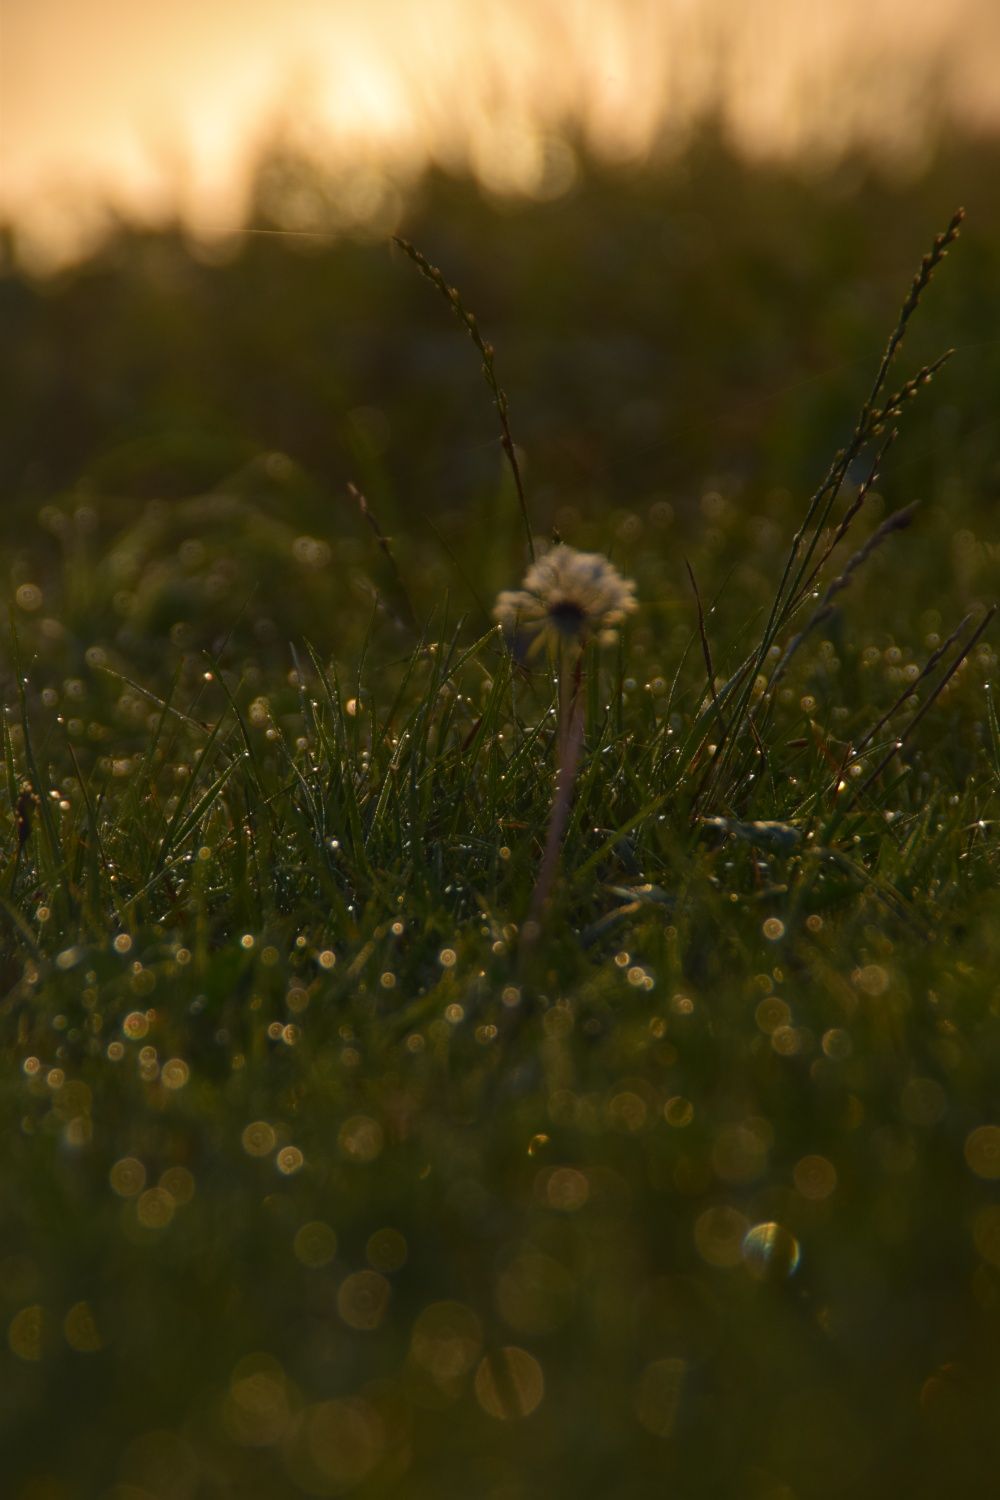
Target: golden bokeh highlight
pixel 179 1183
pixel 363 1299
pixel 678 1111
pixel 564 1188
pixel 257 1410
pixel 258 1138
pixel 982 1151
pixel 80 1329
pixel 785 1041
pixel 360 1138
pixel 315 1244
pixel 446 1341
pixel 26 1333
pixel 175 1073
pixel 78 1131
pixel 155 1208
pixel 718 1236
pixel 386 1250
pixel 815 1177
pixel 923 1101
pixel 627 1112
pixel 128 1176
pixel 771 1013
pixel 837 1044
pixel 29 597
pixel 509 1383
pixel 337 1445
pixel 873 979
pixel 986 1234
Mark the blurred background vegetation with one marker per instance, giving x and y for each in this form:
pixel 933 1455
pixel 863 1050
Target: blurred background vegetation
pixel 663 336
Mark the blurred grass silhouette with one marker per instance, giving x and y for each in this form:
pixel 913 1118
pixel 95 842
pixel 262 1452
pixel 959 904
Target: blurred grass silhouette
pixel 309 1188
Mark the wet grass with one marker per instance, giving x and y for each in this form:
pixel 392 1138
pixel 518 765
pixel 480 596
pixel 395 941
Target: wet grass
pixel 317 1179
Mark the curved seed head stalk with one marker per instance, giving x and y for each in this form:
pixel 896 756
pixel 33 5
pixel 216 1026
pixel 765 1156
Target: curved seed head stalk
pixel 468 320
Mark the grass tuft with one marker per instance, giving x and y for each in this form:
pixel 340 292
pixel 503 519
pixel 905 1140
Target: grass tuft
pixel 325 1176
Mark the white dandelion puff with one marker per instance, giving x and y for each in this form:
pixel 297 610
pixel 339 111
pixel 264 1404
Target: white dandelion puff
pixel 568 596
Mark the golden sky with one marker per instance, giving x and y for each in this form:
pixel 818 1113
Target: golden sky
pixel 155 105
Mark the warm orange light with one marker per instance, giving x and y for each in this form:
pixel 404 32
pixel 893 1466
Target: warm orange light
pixel 151 110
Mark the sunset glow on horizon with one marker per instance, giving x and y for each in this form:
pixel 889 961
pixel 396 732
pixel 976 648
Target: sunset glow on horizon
pixel 150 113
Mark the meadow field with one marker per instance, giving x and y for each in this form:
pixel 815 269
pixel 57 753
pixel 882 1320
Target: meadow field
pixel 320 1177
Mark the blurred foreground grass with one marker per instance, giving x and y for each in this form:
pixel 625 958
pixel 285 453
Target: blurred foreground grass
pixel 310 1186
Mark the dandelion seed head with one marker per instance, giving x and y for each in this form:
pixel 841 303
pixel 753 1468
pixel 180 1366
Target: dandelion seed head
pixel 568 596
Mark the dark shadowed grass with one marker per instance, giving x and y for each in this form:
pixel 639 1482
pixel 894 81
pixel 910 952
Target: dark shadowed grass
pixel 316 1184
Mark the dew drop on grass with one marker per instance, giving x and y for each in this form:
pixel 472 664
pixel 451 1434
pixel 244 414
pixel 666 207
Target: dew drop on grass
pixel 770 1252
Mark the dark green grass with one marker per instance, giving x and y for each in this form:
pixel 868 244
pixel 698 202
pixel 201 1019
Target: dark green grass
pixel 298 1142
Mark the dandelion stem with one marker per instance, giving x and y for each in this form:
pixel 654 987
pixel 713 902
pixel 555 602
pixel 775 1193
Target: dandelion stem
pixel 569 742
